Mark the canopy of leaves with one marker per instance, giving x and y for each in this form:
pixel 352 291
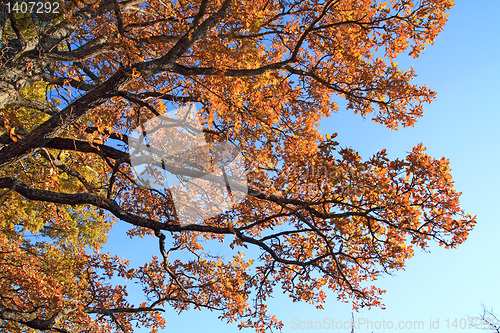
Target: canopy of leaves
pixel 261 74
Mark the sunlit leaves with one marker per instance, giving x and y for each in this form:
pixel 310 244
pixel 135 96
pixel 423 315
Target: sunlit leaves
pixel 261 75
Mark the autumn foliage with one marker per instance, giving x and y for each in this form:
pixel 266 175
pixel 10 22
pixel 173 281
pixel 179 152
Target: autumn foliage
pixel 262 74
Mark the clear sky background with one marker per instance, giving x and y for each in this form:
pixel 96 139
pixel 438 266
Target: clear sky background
pixel 462 125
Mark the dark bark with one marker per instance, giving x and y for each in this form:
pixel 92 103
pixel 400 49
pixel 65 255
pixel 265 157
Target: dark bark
pixel 11 152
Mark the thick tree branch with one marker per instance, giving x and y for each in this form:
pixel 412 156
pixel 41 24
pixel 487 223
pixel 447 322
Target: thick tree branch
pixel 15 151
pixel 31 320
pixel 95 97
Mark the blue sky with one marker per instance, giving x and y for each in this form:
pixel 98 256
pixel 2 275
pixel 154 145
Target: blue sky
pixel 462 125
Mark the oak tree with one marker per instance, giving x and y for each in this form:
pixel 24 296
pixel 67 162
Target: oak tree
pixel 261 74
